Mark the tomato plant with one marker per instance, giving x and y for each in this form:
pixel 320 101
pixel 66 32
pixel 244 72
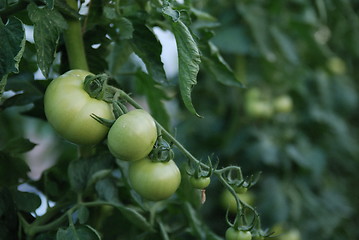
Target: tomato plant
pixel 233 94
pixel 68 108
pixel 154 180
pixel 132 136
pixel 233 234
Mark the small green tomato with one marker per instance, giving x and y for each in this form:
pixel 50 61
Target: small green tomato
pixel 200 183
pixel 234 234
pixel 283 104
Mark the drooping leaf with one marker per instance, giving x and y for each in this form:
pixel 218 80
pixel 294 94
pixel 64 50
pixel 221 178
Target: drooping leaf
pixel 155 96
pixel 148 48
pixel 12 42
pixel 48 24
pixel 189 57
pixel 189 60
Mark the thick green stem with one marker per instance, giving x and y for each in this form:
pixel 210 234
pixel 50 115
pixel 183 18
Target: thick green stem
pixel 74 42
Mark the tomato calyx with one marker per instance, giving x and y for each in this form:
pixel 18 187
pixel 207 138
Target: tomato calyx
pixel 240 184
pixel 162 151
pixel 106 122
pixel 96 86
pixel 198 172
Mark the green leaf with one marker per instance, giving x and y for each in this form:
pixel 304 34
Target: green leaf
pixel 119 55
pixel 217 67
pixel 256 18
pixel 45 236
pixel 18 145
pixel 49 3
pixel 148 48
pixel 48 24
pixel 8 216
pixel 107 190
pixel 12 42
pixel 26 201
pixel 135 217
pixel 189 60
pixel 65 9
pixel 84 214
pixel 286 44
pixel 194 222
pixel 18 167
pixel 155 96
pixel 126 28
pixel 26 92
pixel 83 232
pixel 81 172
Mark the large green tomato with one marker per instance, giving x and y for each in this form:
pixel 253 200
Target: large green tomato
pixel 68 108
pixel 233 234
pixel 154 180
pixel 132 136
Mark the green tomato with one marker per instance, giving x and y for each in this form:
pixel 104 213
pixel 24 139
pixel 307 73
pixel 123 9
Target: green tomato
pixel 336 65
pixel 68 108
pixel 233 234
pixel 240 189
pixel 229 202
pixel 132 136
pixel 292 234
pixel 154 180
pixel 259 109
pixel 283 104
pixel 200 183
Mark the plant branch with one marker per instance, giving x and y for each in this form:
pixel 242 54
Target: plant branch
pixel 74 42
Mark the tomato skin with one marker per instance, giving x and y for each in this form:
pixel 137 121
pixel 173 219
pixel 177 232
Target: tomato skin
pixel 154 180
pixel 233 234
pixel 68 107
pixel 132 136
pixel 240 190
pixel 200 183
pixel 229 202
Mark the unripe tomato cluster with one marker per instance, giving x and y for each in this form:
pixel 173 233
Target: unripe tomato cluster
pixel 131 138
pixel 258 105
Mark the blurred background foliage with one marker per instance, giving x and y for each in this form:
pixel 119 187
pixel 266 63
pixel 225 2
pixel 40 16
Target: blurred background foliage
pixel 295 121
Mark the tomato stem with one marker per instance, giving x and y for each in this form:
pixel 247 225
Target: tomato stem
pixel 74 41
